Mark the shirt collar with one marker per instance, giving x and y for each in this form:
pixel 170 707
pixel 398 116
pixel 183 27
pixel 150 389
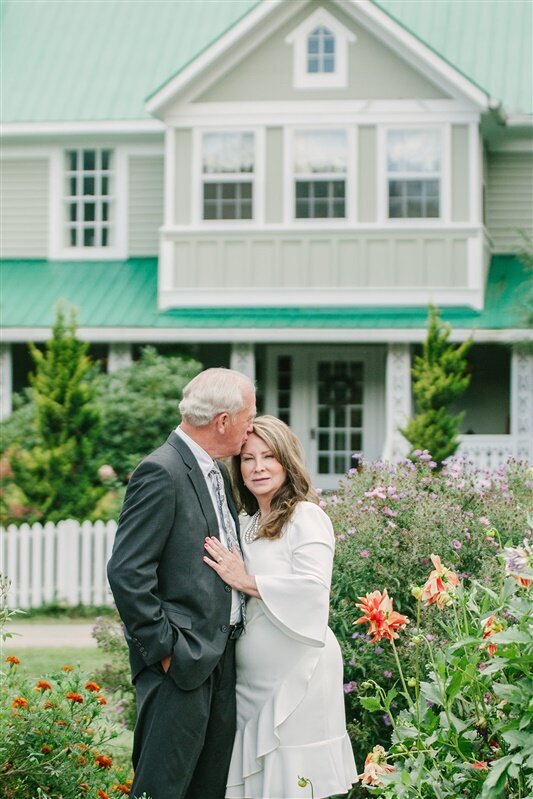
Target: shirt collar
pixel 205 461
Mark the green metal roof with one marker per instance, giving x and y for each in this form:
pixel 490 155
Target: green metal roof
pixel 83 60
pixel 123 294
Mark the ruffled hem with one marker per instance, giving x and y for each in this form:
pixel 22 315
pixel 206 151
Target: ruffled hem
pixel 329 765
pixel 261 768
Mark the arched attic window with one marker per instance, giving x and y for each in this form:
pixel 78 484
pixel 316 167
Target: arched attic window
pixel 321 50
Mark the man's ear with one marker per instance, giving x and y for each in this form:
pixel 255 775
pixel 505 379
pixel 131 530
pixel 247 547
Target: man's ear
pixel 222 422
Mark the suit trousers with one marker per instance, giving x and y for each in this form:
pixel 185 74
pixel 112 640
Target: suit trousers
pixel 183 739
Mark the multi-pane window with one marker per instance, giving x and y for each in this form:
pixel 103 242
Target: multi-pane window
pixel 321 50
pixel 340 415
pixel 89 199
pixel 320 166
pixel 414 159
pixel 228 165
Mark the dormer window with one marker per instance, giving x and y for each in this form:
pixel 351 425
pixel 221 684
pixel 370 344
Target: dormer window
pixel 320 52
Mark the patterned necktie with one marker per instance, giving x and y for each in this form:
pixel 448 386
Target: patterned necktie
pixel 227 524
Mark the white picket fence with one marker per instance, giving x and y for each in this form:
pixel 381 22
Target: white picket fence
pixel 64 563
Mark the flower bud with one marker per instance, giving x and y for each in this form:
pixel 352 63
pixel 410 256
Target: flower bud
pixel 411 682
pixel 416 592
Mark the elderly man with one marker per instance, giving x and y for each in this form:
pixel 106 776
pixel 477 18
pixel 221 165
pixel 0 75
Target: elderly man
pixel 181 619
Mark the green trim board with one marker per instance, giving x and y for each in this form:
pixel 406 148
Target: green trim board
pixel 123 294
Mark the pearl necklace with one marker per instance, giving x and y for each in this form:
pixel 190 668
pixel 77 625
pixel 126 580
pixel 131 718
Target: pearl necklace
pixel 250 534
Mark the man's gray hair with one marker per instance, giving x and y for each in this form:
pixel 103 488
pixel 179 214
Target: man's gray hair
pixel 211 392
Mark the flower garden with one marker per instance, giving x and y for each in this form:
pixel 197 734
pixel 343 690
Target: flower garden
pixel 431 603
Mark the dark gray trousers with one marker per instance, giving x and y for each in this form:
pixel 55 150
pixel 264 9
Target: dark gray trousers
pixel 183 739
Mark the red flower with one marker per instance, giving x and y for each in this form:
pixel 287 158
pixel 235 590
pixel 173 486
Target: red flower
pixel 47 705
pixel 103 762
pixel 43 685
pixel 19 701
pixel 102 794
pixel 67 668
pixel 440 584
pixel 101 699
pixel 123 789
pixel 92 686
pixel 480 765
pixel 13 660
pixel 72 696
pixel 46 749
pixel 490 626
pixel 378 613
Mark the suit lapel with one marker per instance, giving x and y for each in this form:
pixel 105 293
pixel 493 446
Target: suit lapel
pixel 197 479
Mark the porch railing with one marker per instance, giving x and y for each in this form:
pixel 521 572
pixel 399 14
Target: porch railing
pixel 491 451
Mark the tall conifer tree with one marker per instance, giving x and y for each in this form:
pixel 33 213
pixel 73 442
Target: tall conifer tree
pixel 57 475
pixel 440 376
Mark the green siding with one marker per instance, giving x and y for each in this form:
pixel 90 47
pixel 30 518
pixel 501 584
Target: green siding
pixel 367 171
pixel 319 259
pixel 460 174
pixel 509 200
pixel 145 204
pixel 124 294
pixel 24 207
pixel 183 176
pixel 274 176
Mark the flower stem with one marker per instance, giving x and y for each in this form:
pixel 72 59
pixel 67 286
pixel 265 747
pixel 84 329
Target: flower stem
pixel 400 671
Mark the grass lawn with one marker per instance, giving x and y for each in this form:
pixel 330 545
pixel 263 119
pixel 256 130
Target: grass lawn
pixel 36 661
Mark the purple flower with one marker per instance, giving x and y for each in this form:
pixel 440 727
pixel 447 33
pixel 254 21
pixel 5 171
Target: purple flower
pixel 484 521
pixel 386 720
pixel 387 674
pixel 348 687
pixel 456 544
pixel 389 511
pixel 341 537
pixel 364 553
pixel 378 650
pixel 351 531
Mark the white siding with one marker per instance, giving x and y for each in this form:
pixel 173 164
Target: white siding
pixel 509 199
pixel 24 208
pixel 145 203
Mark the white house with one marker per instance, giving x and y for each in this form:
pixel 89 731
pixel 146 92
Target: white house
pixel 283 186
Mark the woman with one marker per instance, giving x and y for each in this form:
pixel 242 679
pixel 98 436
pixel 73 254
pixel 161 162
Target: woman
pixel 290 705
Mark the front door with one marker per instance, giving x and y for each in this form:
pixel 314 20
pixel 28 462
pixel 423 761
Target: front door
pixel 332 397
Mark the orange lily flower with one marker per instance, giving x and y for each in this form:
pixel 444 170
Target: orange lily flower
pixel 439 585
pixel 375 767
pixel 378 613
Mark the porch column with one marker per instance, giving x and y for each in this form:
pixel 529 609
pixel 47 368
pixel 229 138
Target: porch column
pixel 119 356
pixel 397 400
pixel 522 401
pixel 6 380
pixel 242 359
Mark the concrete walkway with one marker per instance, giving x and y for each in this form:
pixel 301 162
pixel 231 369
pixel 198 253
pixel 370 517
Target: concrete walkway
pixel 48 635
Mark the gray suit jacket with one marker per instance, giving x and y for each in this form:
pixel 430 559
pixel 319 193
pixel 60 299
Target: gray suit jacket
pixel 170 601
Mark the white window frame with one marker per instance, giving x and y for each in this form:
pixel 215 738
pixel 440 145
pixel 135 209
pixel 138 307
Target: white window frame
pixel 444 178
pixel 257 179
pixel 302 79
pixel 58 218
pixel 291 176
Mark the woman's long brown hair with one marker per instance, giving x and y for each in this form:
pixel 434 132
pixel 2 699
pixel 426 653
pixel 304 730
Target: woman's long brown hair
pixel 287 449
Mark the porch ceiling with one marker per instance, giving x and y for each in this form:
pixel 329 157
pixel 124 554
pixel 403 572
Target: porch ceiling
pixel 123 294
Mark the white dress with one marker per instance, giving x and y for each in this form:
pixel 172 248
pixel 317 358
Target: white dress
pixel 290 702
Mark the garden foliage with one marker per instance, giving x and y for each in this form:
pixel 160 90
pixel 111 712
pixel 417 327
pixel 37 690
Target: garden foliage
pixel 55 477
pixel 466 728
pixel 389 519
pixel 138 407
pixel 439 377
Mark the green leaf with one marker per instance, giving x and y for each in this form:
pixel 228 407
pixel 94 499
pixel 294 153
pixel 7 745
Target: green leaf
pixel 512 636
pixel 431 692
pixel 371 703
